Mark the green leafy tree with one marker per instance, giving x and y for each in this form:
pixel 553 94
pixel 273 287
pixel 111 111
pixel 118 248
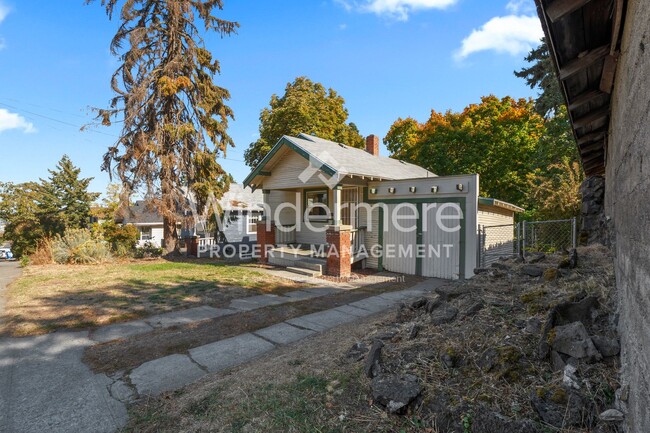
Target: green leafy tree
pixel 19 209
pixel 557 154
pixel 63 200
pixel 174 115
pixel 36 211
pixel 305 107
pixel 498 139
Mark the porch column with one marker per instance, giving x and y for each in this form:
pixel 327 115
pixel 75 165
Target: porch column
pixel 336 212
pixel 338 250
pixel 265 238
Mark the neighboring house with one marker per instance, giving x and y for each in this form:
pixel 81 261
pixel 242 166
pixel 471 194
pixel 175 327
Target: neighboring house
pixel 242 209
pixel 324 196
pixel 148 222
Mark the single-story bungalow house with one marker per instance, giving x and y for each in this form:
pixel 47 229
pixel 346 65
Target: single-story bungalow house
pixel 330 206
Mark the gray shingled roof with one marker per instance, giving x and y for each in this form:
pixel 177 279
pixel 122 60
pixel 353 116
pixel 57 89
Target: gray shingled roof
pixel 140 213
pixel 348 160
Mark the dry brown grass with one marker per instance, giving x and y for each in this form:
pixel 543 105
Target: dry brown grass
pixel 271 394
pixel 50 297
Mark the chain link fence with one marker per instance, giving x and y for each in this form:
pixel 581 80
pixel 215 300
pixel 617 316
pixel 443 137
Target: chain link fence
pixel 513 240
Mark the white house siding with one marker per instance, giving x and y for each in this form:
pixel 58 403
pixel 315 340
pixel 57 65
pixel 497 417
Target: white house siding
pixel 156 236
pixel 498 241
pixel 494 216
pixel 440 261
pixel 287 173
pixel 287 216
pixel 372 238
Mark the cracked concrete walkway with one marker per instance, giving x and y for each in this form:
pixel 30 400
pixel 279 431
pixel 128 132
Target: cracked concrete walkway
pixel 45 386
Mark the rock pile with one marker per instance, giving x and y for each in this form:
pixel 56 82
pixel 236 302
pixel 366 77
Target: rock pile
pixel 513 350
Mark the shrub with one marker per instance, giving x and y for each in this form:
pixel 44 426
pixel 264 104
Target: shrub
pixel 79 246
pixel 148 250
pixel 121 238
pixel 43 253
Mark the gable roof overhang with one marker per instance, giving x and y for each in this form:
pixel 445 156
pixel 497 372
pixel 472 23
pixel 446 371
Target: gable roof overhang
pixel 583 38
pixel 284 142
pixel 499 203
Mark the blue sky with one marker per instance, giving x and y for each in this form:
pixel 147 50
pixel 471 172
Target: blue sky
pixel 387 58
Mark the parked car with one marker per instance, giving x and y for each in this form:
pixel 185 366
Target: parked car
pixel 5 253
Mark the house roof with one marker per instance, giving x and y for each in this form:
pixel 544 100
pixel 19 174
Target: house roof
pixel 239 197
pixel 142 214
pixel 584 42
pixel 337 159
pixel 500 203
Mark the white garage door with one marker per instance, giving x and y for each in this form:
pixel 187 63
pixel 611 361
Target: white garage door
pixel 441 247
pixel 431 251
pixel 397 242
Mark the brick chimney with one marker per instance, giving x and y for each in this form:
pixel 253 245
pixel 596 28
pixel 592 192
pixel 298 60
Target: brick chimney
pixel 372 144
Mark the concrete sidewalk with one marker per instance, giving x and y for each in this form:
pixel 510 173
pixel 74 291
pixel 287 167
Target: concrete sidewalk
pixel 46 387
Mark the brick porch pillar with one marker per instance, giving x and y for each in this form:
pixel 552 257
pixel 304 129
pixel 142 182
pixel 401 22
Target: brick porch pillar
pixel 338 250
pixel 265 239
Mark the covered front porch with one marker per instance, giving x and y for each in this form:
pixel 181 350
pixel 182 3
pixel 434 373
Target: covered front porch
pixel 308 225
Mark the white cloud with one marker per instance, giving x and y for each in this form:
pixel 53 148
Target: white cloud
pixel 511 34
pixel 396 9
pixel 4 11
pixel 10 120
pixel 517 7
pixel 343 26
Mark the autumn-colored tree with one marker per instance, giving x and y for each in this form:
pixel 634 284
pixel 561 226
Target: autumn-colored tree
pixel 498 139
pixel 305 107
pixel 174 115
pixel 556 191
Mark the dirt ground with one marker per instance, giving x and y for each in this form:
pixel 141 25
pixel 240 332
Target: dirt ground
pixel 129 353
pixel 480 372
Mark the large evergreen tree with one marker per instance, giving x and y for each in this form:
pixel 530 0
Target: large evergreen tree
pixel 305 107
pixel 174 115
pixel 34 211
pixel 63 200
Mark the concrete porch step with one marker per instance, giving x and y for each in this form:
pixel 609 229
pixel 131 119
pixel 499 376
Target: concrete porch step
pixel 304 271
pixel 313 264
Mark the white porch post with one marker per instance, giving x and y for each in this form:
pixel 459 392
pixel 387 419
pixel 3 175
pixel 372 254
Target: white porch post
pixel 336 212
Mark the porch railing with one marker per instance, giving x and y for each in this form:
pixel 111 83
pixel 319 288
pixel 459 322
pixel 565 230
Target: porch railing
pixel 285 235
pixel 357 240
pixel 206 242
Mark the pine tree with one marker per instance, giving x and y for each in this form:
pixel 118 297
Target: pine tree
pixel 174 115
pixel 64 201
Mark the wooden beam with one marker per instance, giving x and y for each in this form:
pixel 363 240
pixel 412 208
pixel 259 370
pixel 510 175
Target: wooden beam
pixel 609 70
pixel 561 8
pixel 584 60
pixel 616 27
pixel 593 162
pixel 593 146
pixel 264 173
pixel 594 156
pixel 592 136
pixel 584 98
pixel 591 118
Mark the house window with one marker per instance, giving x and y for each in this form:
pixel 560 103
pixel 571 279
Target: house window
pixel 145 233
pixel 253 218
pixel 316 202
